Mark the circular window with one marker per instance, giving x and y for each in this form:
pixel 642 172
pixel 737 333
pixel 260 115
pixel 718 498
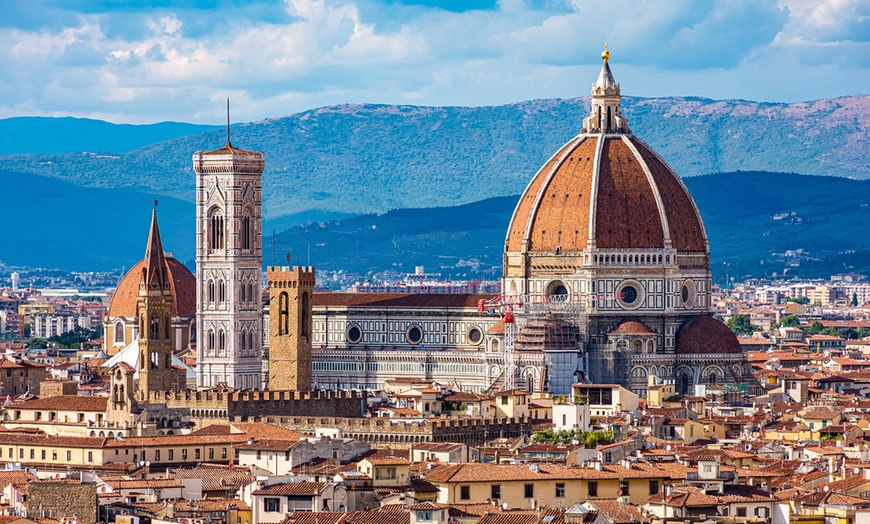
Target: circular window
pixel 685 293
pixel 474 335
pixel 353 334
pixel 414 335
pixel 630 294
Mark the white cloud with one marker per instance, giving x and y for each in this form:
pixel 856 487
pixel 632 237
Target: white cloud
pixel 163 64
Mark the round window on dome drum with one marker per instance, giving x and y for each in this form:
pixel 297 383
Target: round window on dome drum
pixel 474 336
pixel 414 335
pixel 353 334
pixel 630 294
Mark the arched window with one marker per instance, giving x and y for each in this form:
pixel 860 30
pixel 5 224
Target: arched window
pixel 193 332
pixel 211 291
pixel 222 291
pixel 304 321
pixel 251 297
pixel 283 314
pixel 247 229
pixel 216 231
pixel 119 332
pixel 250 340
pixel 211 339
pixel 222 340
pixel 154 334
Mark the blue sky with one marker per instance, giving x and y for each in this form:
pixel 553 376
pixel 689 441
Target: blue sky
pixel 144 61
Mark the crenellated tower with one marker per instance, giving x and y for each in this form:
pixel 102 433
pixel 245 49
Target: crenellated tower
pixel 154 306
pixel 229 262
pixel 290 317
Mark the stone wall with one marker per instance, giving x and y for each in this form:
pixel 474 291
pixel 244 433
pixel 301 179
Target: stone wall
pixel 472 431
pixel 63 500
pixel 56 388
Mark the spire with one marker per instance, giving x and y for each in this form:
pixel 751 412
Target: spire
pixel 155 261
pixel 605 116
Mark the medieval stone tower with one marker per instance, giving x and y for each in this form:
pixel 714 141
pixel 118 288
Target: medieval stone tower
pixel 154 307
pixel 229 261
pixel 290 317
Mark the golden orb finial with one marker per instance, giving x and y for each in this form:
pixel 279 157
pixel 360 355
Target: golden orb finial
pixel 606 54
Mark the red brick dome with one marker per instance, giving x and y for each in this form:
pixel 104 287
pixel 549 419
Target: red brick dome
pixel 182 283
pixel 704 335
pixel 610 191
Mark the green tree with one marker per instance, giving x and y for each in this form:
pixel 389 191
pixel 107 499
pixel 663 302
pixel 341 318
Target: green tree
pixel 790 321
pixel 815 328
pixel 799 300
pixel 741 325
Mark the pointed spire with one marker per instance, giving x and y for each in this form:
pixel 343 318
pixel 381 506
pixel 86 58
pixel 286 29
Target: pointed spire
pixel 155 261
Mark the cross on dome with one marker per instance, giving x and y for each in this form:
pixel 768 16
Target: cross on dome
pixel 605 116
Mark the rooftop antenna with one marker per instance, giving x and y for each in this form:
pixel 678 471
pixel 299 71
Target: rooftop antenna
pixel 228 122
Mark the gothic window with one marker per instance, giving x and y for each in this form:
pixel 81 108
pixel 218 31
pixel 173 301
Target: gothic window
pixel 222 340
pixel 211 339
pixel 247 229
pixel 119 332
pixel 211 291
pixel 243 341
pixel 193 332
pixel 250 340
pixel 283 314
pixel 154 334
pixel 251 297
pixel 222 291
pixel 216 231
pixel 304 320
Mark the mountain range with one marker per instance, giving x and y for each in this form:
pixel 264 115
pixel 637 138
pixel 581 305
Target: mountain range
pixel 334 162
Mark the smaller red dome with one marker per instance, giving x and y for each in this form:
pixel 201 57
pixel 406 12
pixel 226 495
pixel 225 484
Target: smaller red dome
pixel 632 327
pixel 704 335
pixel 182 283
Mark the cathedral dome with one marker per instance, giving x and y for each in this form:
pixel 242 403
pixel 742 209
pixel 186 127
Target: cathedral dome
pixel 605 189
pixel 704 335
pixel 182 283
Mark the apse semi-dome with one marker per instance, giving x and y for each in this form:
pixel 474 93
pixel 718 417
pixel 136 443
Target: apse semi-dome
pixel 704 335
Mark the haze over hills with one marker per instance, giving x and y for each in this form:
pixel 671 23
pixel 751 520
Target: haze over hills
pixel 336 162
pixel 35 135
pixel 374 158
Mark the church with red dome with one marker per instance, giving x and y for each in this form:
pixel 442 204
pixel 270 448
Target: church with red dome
pixel 606 280
pixel 607 242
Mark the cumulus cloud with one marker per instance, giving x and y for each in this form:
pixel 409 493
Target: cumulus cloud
pixel 148 61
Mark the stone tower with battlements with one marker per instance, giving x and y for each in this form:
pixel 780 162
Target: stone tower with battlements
pixel 154 307
pixel 228 262
pixel 290 318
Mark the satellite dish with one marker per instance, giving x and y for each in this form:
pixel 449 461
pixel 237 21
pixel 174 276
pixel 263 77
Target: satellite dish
pixel 504 506
pixel 825 489
pixel 856 471
pixel 668 447
pixel 619 493
pixel 147 463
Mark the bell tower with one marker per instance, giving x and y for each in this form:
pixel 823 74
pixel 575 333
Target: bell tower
pixel 290 317
pixel 154 306
pixel 228 267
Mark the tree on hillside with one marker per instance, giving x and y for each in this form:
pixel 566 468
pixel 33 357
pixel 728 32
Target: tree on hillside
pixel 741 325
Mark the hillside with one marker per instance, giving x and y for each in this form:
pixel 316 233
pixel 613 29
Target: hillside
pixel 374 158
pixel 752 218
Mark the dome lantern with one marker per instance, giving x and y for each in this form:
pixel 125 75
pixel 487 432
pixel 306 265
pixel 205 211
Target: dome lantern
pixel 605 116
